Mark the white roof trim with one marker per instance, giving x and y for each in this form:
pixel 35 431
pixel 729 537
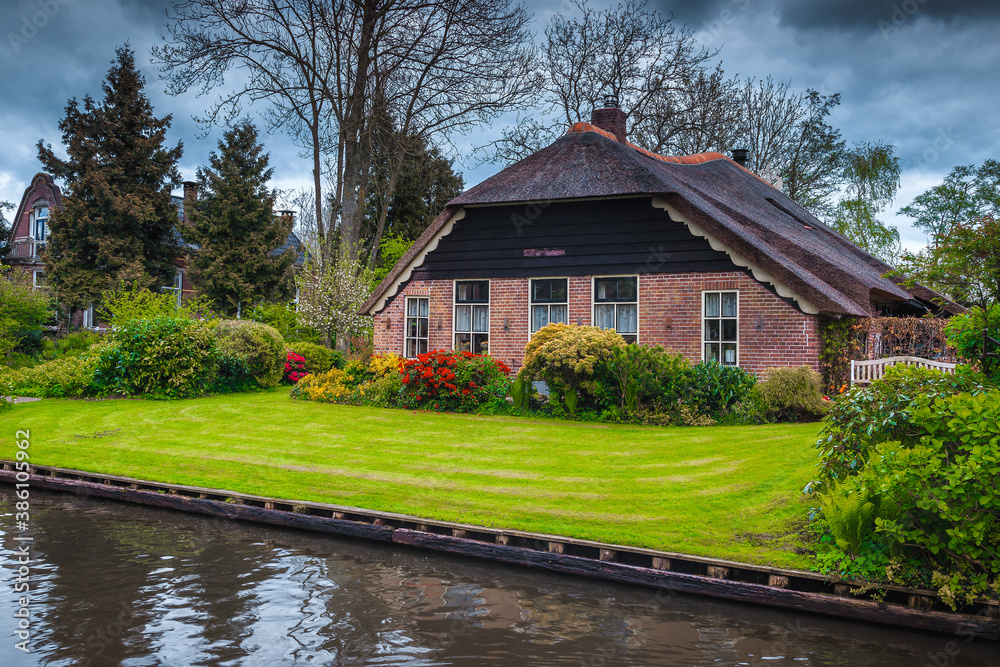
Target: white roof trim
pixel 737 259
pixel 417 261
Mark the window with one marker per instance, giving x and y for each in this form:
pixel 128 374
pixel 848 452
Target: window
pixel 549 302
pixel 41 222
pixel 616 306
pixel 88 317
pixel 720 330
pixel 38 279
pixel 417 326
pixel 472 316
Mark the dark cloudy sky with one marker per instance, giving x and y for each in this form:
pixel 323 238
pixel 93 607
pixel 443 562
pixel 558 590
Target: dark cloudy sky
pixel 923 75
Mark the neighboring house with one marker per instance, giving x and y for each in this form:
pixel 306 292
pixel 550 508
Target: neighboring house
pixel 695 253
pixel 30 230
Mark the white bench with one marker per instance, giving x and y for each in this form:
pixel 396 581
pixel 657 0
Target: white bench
pixel 864 372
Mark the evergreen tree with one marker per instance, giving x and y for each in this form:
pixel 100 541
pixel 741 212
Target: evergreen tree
pixel 235 228
pixel 117 220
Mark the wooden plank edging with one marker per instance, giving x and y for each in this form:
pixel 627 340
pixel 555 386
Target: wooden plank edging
pixel 550 552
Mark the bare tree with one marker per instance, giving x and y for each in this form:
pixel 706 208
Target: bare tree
pixel 434 67
pixel 648 62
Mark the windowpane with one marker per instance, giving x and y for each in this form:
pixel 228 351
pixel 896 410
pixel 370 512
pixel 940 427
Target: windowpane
pixel 480 318
pixel 472 291
pixel 604 290
pixel 479 344
pixel 729 329
pixel 421 347
pixel 411 327
pixel 425 306
pixel 711 329
pixel 463 318
pixel 626 289
pixel 729 354
pixel 417 327
pixel 559 314
pixel 558 290
pixel 711 352
pixel 729 304
pixel 423 328
pixel 604 316
pixel 411 347
pixel 463 342
pixel 627 319
pixel 712 305
pixel 412 307
pixel 539 317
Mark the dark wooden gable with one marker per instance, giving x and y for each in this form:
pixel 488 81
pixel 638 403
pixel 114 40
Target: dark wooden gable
pixel 601 237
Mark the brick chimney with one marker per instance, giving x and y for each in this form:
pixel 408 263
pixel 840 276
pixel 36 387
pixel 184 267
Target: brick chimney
pixel 190 197
pixel 610 118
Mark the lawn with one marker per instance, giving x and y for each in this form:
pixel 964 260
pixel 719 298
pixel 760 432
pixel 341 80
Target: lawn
pixel 725 492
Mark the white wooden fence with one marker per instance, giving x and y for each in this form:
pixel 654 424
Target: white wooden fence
pixel 864 372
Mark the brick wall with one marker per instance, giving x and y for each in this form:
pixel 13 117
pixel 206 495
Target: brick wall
pixel 771 332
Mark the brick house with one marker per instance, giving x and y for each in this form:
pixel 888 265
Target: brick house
pixel 693 253
pixel 30 230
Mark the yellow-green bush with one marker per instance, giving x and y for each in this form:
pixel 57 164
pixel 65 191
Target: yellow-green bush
pixel 258 345
pixel 567 357
pixel 377 383
pixel 69 377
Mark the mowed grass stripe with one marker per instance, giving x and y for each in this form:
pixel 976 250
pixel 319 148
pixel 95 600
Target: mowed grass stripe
pixel 721 492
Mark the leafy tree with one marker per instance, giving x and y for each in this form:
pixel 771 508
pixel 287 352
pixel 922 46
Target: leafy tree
pixel 5 231
pixel 964 263
pixel 389 252
pixel 117 219
pixel 23 310
pixel 812 166
pixel 235 228
pixel 968 192
pixel 425 182
pixel 871 174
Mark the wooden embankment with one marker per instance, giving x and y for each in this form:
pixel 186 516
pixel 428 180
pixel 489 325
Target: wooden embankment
pixel 680 573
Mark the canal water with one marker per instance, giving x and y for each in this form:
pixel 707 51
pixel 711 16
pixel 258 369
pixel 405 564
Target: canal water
pixel 114 584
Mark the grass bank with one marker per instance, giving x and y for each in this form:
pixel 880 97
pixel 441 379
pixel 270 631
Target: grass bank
pixel 724 492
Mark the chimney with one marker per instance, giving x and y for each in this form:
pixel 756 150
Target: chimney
pixel 190 197
pixel 740 156
pixel 610 118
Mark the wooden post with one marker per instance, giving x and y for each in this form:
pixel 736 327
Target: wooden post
pixel 607 554
pixel 555 547
pixel 661 563
pixel 777 581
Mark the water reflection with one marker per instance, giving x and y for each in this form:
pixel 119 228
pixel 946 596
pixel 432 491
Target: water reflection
pixel 122 585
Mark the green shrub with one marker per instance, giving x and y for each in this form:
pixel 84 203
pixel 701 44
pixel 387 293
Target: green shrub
pixel 69 377
pixel 378 383
pixel 713 389
pixel 260 347
pixel 131 302
pixel 792 395
pixel 866 416
pixel 286 320
pixel 635 375
pixel 319 359
pixel 23 310
pixel 161 357
pixel 568 358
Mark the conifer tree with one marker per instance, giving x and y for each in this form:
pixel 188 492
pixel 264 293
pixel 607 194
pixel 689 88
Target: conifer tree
pixel 235 228
pixel 117 222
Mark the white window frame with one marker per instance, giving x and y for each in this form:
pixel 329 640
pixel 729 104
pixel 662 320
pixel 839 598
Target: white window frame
pixel 594 303
pixel 34 280
pixel 406 316
pixel 454 315
pixel 531 302
pixel 704 323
